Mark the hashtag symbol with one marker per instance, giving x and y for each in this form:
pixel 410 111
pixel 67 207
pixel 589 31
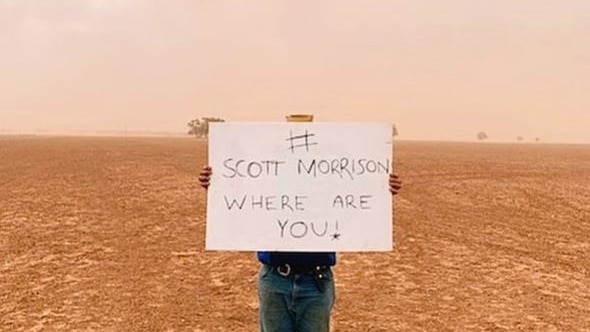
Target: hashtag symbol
pixel 300 141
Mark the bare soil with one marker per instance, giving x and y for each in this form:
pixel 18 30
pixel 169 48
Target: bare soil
pixel 107 234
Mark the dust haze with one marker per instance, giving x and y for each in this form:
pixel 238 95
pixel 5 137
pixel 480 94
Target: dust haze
pixel 440 71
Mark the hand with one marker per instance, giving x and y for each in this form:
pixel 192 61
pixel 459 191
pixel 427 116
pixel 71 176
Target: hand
pixel 205 177
pixel 395 184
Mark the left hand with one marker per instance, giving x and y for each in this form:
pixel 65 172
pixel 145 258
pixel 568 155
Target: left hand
pixel 395 184
pixel 205 176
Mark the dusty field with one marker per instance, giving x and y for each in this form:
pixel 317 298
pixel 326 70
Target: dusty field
pixel 106 234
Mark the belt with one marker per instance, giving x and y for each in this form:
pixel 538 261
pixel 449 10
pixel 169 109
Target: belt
pixel 286 270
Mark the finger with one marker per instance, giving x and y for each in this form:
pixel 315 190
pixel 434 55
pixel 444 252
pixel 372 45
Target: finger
pixel 395 183
pixel 395 180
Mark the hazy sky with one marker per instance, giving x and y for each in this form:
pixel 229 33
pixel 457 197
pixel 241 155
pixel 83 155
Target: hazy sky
pixel 442 69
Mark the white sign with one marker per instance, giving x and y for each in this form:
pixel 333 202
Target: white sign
pixel 295 186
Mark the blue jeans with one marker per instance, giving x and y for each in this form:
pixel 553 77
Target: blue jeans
pixel 294 303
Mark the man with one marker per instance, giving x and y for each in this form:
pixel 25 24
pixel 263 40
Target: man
pixel 296 289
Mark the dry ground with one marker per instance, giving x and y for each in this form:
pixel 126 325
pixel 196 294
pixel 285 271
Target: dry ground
pixel 107 234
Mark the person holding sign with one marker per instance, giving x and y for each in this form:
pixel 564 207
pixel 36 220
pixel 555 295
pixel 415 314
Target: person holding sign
pixel 296 289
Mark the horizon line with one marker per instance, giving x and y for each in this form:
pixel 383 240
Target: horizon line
pixel 169 134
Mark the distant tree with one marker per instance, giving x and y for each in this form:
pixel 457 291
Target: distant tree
pixel 394 131
pixel 200 128
pixel 519 138
pixel 482 136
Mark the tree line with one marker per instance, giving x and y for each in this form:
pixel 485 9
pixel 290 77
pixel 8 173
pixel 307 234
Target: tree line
pixel 200 127
pixel 482 136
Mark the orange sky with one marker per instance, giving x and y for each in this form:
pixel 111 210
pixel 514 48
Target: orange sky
pixel 441 70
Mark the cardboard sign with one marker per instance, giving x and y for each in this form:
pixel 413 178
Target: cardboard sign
pixel 299 187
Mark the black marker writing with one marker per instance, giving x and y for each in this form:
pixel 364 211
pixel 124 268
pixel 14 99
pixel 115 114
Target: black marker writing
pixel 350 201
pixel 268 203
pixel 252 169
pixel 305 139
pixel 336 235
pixel 299 229
pixel 234 202
pixel 342 167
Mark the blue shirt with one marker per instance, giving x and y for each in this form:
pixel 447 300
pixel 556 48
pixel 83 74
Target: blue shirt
pixel 297 258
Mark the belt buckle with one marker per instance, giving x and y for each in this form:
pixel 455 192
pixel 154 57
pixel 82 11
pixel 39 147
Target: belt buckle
pixel 284 270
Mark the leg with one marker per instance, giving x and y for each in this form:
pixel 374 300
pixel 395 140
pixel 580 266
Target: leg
pixel 314 307
pixel 274 295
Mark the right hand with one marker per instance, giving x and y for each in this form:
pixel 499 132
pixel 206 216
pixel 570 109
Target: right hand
pixel 205 176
